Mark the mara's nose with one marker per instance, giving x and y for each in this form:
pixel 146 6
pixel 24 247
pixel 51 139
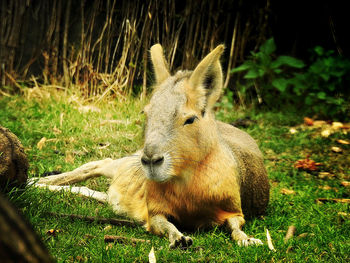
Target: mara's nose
pixel 155 159
pixel 150 158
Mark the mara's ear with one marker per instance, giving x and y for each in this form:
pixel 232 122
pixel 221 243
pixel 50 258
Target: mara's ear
pixel 206 80
pixel 159 64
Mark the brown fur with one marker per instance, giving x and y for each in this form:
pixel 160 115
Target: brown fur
pixel 13 161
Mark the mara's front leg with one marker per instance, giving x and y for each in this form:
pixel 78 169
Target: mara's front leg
pixel 235 224
pixel 159 225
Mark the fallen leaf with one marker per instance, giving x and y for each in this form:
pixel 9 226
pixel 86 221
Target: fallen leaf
pixel 41 143
pixel 152 256
pixel 343 142
pixel 307 165
pixel 290 233
pixel 319 123
pixel 107 228
pixel 345 183
pixel 308 121
pixel 293 131
pixel 52 232
pixel 336 149
pixel 69 158
pixel 269 241
pixel 337 125
pixel 327 187
pixel 323 175
pixel 326 132
pixel 286 191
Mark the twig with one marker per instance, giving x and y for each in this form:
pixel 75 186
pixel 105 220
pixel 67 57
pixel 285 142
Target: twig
pixel 290 233
pixel 122 239
pixel 100 220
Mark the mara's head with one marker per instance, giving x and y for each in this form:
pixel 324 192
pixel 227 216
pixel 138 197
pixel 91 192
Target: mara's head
pixel 180 129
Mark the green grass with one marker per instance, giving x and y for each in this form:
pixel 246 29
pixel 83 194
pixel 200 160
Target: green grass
pixel 77 138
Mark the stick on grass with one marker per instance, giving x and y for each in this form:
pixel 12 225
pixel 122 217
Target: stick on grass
pixel 101 220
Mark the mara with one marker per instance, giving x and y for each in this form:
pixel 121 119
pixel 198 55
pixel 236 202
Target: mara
pixel 193 170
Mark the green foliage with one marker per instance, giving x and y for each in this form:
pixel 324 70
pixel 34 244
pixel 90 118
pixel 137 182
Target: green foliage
pixel 320 87
pixel 324 85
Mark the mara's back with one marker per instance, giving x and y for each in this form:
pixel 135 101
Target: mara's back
pixel 254 186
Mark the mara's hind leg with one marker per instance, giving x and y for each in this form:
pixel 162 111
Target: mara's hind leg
pixel 106 167
pixel 62 182
pixel 81 190
pixel 235 224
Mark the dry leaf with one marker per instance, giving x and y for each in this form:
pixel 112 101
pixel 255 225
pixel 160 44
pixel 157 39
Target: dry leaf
pixel 269 241
pixel 152 256
pixel 308 121
pixel 53 232
pixel 323 175
pixel 343 142
pixel 290 233
pixel 107 228
pixel 286 191
pixel 41 143
pixel 327 187
pixel 337 125
pixel 69 158
pixel 306 164
pixel 336 149
pixel 345 183
pixel 326 132
pixel 319 123
pixel 293 131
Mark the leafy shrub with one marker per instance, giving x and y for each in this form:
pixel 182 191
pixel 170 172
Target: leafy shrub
pixel 324 86
pixel 320 88
pixel 266 75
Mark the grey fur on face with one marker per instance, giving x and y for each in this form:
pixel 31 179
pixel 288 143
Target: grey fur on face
pixel 161 114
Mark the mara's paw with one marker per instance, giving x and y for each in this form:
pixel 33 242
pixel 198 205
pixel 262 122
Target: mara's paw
pixel 249 242
pixel 181 242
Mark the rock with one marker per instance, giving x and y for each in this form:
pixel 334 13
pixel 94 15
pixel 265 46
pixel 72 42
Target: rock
pixel 13 161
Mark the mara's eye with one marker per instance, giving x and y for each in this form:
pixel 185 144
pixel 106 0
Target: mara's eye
pixel 190 120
